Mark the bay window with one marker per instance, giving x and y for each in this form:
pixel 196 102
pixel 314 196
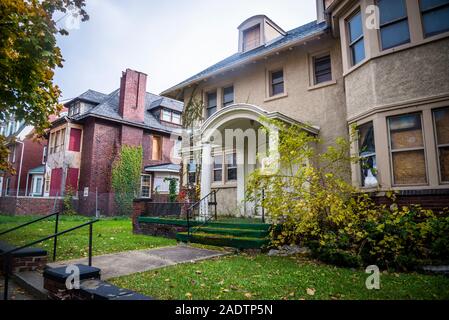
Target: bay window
pixel 356 39
pixel 394 28
pixel 435 16
pixel 441 125
pixel 367 154
pixel 407 149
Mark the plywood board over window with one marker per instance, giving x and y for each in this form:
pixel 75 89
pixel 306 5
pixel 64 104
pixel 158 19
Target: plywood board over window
pixel 251 38
pixel 156 151
pixel 407 149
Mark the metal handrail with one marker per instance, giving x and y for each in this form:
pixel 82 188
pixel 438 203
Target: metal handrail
pixel 7 254
pixel 196 204
pixel 28 223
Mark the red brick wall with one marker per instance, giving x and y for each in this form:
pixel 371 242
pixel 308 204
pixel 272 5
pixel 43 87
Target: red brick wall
pixel 436 202
pixel 23 206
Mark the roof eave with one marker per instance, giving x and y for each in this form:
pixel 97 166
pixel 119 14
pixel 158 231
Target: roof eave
pixel 238 63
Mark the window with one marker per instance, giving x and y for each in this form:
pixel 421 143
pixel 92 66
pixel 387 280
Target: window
pixel 75 109
pixel 145 186
pixel 277 82
pixel 162 183
pixel 44 155
pixel 171 116
pixel 441 119
pixel 393 23
pixel 407 149
pixel 156 151
pixel 8 186
pixel 251 38
pixel 228 96
pixel 57 140
pixel 356 42
pixel 192 172
pixel 166 115
pixel 218 168
pixel 435 16
pixel 177 148
pixel 322 69
pixel 12 154
pixel 176 118
pixel 367 153
pixel 231 166
pixel 211 104
pixel 36 185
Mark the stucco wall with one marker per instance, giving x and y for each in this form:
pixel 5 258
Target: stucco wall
pixel 415 73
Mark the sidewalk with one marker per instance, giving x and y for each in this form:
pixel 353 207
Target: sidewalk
pixel 129 262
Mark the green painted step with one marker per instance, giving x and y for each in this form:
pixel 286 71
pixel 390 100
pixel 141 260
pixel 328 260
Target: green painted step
pixel 251 226
pixel 222 240
pixel 232 232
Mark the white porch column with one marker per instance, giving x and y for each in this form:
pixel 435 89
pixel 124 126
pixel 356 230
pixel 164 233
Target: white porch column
pixel 206 177
pixel 241 180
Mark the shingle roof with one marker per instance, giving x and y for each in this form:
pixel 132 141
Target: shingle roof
pixel 92 96
pixel 293 35
pixel 108 108
pixel 167 103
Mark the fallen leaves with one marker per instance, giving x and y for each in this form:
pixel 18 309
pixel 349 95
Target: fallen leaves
pixel 311 291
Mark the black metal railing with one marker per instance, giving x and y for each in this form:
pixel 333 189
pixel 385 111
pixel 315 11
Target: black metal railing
pixel 200 206
pixel 7 255
pixel 55 242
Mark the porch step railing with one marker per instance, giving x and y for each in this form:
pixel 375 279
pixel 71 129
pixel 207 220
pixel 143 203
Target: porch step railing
pixel 8 255
pixel 201 209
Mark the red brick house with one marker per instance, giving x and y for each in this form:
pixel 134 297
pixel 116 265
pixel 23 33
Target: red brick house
pixel 27 156
pixel 84 144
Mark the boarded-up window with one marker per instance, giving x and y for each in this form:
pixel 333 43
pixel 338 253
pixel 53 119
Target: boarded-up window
pixel 75 140
pixel 55 184
pixel 156 152
pixel 71 182
pixel 441 118
pixel 407 149
pixel 251 38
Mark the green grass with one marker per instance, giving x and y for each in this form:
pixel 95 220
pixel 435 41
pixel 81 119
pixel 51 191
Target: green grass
pixel 263 277
pixel 109 235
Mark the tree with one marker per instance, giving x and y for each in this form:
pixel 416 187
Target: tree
pixel 28 58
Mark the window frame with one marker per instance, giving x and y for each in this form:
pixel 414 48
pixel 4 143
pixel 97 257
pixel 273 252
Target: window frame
pixel 437 145
pixel 422 12
pixel 208 107
pixel 231 102
pixel 227 167
pixel 272 84
pixel 314 77
pixel 216 155
pixel 350 43
pixel 423 149
pixel 372 154
pixel 392 22
pixel 148 185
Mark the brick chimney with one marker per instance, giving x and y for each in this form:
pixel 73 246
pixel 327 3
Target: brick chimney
pixel 133 85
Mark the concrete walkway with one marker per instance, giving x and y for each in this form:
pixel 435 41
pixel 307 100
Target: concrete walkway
pixel 129 262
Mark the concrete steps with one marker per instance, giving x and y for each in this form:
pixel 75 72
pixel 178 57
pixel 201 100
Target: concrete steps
pixel 32 282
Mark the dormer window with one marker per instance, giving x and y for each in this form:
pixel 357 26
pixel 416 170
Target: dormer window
pixel 251 38
pixel 75 109
pixel 171 116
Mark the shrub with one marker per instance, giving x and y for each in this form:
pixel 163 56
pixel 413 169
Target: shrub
pixel 312 200
pixel 68 207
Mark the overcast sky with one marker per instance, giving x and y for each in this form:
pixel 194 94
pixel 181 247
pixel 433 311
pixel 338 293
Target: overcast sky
pixel 169 40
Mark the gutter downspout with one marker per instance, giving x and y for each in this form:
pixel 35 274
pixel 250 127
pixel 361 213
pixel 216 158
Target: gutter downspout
pixel 20 168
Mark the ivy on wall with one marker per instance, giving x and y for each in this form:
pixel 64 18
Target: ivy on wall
pixel 126 177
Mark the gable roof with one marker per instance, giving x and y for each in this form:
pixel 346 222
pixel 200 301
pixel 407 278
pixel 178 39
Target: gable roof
pixel 108 108
pixel 293 36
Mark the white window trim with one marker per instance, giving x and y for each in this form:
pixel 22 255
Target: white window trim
pixel 146 185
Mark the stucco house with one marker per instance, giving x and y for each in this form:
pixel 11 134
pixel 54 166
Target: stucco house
pixel 390 79
pixel 83 144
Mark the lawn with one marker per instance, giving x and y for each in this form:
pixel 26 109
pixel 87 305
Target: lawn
pixel 109 235
pixel 263 277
